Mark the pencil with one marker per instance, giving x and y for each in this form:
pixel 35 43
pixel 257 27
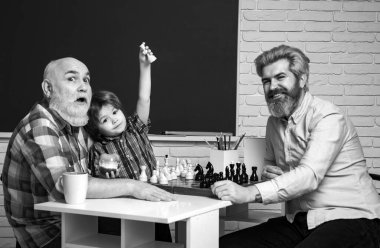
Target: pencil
pixel 238 143
pixel 208 144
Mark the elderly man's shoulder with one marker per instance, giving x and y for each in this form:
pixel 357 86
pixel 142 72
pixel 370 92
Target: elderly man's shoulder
pixel 38 117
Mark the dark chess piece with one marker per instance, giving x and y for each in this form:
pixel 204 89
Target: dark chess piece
pixel 199 171
pixel 241 179
pixel 254 177
pixel 215 178
pixel 202 183
pixel 232 171
pixel 235 178
pixel 221 176
pixel 228 173
pixel 238 168
pixel 244 175
pixel 210 170
pixel 207 182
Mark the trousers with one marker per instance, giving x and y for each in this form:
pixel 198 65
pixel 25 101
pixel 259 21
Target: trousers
pixel 279 232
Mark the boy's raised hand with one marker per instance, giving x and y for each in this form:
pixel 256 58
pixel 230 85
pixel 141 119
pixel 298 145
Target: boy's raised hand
pixel 146 55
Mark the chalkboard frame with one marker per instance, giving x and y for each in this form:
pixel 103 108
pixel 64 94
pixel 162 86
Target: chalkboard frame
pixel 194 80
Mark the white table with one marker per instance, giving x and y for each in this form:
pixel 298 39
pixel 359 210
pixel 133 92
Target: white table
pixel 198 219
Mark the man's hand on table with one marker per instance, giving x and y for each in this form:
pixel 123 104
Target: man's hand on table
pixel 149 192
pixel 229 191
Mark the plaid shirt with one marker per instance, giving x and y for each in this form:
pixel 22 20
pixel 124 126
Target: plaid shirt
pixel 42 147
pixel 133 147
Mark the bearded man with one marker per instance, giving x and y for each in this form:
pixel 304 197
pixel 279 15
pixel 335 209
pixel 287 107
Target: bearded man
pixel 47 142
pixel 313 162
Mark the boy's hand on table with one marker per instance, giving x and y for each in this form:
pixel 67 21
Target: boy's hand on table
pixel 149 192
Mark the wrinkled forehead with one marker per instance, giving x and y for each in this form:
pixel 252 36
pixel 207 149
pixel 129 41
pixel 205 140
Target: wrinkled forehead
pixel 63 66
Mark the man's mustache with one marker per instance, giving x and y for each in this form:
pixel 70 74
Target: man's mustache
pixel 274 92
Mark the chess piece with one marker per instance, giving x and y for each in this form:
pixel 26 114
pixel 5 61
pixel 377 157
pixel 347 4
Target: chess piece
pixel 227 173
pixel 166 169
pixel 199 171
pixel 210 170
pixel 244 175
pixel 189 174
pixel 215 178
pixel 166 160
pixel 232 171
pixel 173 174
pixel 221 176
pixel 154 178
pixel 177 168
pixel 162 179
pixel 207 182
pixel 235 178
pixel 149 54
pixel 238 164
pixel 184 168
pixel 202 183
pixel 143 177
pixel 254 177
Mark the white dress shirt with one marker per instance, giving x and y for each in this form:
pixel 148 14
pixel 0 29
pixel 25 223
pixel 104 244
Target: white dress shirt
pixel 325 169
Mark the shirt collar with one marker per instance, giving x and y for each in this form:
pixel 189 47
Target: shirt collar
pixel 302 108
pixel 105 140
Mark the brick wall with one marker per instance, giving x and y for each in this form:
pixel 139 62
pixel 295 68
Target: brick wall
pixel 342 40
pixel 7 239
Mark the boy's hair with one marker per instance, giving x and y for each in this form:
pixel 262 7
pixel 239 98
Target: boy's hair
pixel 99 99
pixel 298 61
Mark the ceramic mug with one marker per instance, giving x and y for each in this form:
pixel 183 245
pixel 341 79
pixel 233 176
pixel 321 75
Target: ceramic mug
pixel 75 187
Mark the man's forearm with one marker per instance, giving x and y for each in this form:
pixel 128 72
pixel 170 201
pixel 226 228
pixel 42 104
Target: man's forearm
pixel 106 188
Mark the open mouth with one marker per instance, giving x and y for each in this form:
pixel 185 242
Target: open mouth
pixel 82 100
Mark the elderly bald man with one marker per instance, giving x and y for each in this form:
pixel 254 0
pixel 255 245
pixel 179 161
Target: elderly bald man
pixel 49 141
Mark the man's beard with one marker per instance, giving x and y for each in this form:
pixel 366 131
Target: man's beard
pixel 74 114
pixel 285 105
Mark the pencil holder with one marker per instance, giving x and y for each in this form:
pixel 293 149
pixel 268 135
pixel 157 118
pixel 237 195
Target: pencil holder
pixel 221 158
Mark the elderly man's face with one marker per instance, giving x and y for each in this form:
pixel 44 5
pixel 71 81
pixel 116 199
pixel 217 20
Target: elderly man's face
pixel 71 90
pixel 282 89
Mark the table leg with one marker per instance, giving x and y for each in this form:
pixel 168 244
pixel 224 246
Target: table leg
pixel 76 226
pixel 134 233
pixel 201 230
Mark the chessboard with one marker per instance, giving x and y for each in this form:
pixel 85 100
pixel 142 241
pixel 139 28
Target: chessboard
pixel 183 186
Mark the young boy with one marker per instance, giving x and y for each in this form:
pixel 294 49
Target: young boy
pixel 125 137
pixel 113 133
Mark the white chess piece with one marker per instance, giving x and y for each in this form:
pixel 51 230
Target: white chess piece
pixel 162 179
pixel 154 178
pixel 177 168
pixel 148 53
pixel 143 177
pixel 189 174
pixel 173 174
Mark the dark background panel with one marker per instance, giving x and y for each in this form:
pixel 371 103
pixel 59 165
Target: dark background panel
pixel 193 80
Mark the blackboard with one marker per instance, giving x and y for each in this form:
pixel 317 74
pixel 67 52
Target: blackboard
pixel 193 80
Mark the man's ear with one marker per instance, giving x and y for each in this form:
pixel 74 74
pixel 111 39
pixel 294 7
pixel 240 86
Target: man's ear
pixel 303 80
pixel 47 88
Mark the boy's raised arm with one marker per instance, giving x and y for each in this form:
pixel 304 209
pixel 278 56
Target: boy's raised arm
pixel 146 57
